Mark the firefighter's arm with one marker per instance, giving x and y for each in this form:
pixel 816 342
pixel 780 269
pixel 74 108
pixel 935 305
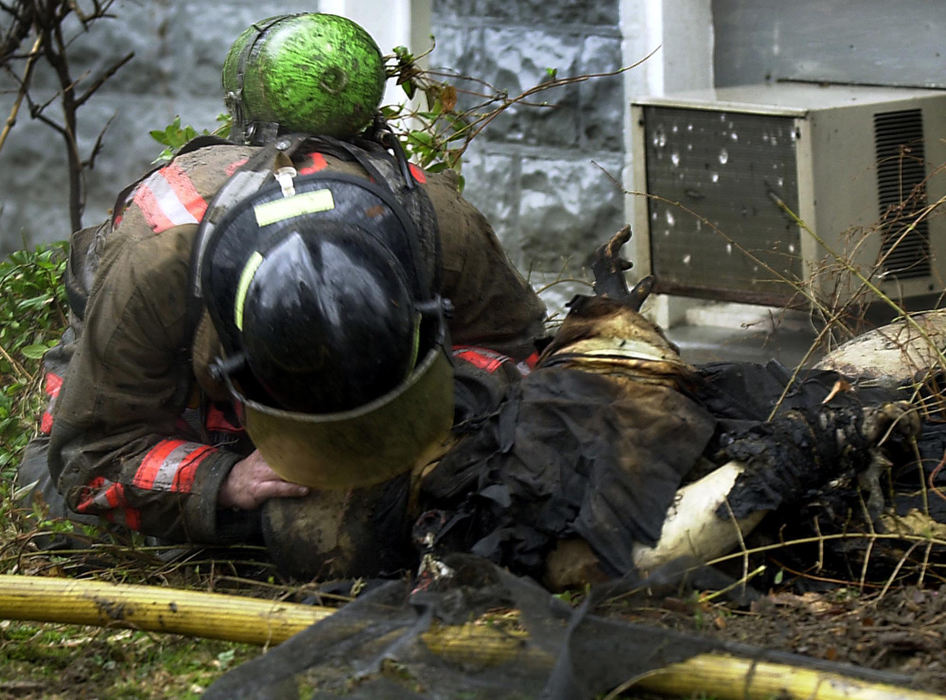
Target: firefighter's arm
pixel 117 447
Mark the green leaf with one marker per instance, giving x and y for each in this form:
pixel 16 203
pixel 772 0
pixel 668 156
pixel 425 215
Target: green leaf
pixel 34 352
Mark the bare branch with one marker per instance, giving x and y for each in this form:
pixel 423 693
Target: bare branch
pixel 114 68
pixel 21 93
pixel 90 161
pixel 22 21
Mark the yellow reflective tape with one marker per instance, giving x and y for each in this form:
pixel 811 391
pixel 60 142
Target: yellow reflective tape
pixel 297 205
pixel 245 278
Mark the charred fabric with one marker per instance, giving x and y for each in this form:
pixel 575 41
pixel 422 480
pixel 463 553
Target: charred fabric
pixel 579 472
pixel 614 456
pixel 568 474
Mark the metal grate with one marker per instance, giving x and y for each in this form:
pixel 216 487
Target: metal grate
pixel 716 229
pixel 901 193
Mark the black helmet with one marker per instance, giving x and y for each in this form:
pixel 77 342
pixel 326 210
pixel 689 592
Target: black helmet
pixel 328 322
pixel 318 297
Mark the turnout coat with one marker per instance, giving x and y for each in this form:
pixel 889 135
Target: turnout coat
pixel 138 433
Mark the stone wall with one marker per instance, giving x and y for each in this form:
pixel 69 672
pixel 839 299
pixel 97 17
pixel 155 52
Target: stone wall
pixel 178 50
pixel 544 175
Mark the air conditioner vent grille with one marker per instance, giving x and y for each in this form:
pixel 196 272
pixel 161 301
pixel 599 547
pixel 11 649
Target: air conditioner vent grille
pixel 716 228
pixel 901 193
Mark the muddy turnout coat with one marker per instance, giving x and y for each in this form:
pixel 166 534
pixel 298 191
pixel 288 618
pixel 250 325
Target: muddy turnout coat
pixel 138 433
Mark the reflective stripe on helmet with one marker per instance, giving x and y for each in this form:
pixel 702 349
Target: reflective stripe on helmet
pixel 171 465
pixel 292 206
pixel 244 284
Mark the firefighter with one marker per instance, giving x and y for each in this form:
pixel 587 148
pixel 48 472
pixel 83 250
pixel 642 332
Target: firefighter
pixel 270 320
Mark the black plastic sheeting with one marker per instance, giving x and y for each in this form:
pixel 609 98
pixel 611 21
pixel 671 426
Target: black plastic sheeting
pixel 375 647
pixel 568 453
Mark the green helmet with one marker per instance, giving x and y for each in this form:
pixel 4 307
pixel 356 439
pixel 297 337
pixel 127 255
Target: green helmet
pixel 310 72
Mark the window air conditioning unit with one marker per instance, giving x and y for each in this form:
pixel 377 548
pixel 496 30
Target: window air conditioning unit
pixel 729 173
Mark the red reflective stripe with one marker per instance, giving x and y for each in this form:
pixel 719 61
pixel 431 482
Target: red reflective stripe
pixel 232 168
pixel 171 466
pixel 482 358
pixel 317 163
pixel 151 209
pixel 89 492
pixel 152 463
pixel 187 471
pixel 106 498
pixel 168 198
pixel 418 174
pixel 53 383
pixel 185 190
pixel 132 515
pixel 217 420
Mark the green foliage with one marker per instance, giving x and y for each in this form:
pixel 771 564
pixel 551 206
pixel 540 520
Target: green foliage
pixel 32 317
pixel 434 138
pixel 175 135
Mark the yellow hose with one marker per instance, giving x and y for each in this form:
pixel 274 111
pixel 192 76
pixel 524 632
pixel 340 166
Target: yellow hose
pixel 191 613
pixel 255 621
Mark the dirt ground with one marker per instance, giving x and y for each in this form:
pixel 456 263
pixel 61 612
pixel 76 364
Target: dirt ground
pixel 901 630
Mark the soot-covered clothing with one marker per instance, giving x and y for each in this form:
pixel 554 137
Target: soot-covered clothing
pixel 141 434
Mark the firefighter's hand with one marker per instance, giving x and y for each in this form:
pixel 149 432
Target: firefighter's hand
pixel 251 482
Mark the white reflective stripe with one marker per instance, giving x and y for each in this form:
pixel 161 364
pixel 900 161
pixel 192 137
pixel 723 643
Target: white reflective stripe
pixel 164 479
pixel 167 199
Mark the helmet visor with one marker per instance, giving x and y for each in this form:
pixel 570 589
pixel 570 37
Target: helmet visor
pixel 393 434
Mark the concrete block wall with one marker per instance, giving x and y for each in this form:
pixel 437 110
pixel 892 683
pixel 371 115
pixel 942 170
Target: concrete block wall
pixel 546 177
pixel 178 50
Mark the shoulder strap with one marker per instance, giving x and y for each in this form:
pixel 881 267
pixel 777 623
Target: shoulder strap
pixel 245 182
pixel 386 163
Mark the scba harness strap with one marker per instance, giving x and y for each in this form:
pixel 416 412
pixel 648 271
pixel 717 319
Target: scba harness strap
pixel 390 173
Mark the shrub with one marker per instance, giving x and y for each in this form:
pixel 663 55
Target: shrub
pixel 32 317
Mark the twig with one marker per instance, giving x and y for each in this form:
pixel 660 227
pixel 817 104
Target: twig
pixel 933 475
pixel 20 369
pixel 21 92
pixel 896 570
